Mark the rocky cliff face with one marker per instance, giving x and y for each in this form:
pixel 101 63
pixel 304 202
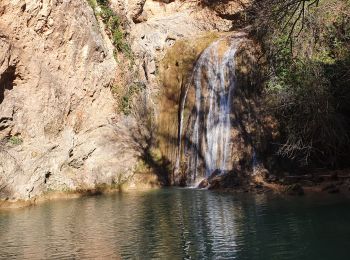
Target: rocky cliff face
pixel 154 26
pixel 58 125
pixel 60 128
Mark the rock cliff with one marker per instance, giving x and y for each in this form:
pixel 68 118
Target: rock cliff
pixel 154 26
pixel 58 127
pixel 61 127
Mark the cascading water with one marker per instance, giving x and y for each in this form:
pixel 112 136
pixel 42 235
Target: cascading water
pixel 208 144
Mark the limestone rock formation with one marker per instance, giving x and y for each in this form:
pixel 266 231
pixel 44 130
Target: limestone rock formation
pixel 58 124
pixel 154 26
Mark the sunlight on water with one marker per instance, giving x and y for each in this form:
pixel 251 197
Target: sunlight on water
pixel 178 224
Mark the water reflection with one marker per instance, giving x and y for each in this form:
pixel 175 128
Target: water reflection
pixel 178 224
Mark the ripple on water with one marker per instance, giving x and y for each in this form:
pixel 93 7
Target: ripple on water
pixel 178 224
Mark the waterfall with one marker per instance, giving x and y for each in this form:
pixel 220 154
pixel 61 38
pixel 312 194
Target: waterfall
pixel 208 144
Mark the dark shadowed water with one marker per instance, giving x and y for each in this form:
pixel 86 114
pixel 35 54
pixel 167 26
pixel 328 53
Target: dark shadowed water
pixel 179 224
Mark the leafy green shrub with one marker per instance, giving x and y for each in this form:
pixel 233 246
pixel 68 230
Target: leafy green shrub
pixel 309 87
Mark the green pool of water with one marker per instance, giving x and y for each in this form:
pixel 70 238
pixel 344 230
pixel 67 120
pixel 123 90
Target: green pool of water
pixel 179 224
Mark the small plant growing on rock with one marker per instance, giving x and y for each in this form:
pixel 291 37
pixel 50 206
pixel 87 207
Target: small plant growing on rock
pixel 93 4
pixel 126 95
pixel 113 25
pixel 15 140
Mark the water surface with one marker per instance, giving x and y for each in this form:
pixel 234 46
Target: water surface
pixel 179 224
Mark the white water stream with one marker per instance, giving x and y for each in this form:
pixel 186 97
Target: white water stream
pixel 209 145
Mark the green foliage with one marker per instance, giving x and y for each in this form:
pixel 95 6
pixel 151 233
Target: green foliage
pixel 309 87
pixel 113 26
pixel 15 140
pixel 93 4
pixel 103 2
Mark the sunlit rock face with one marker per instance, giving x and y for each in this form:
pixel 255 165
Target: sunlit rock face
pixel 57 113
pixel 220 126
pixel 153 26
pixel 59 129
